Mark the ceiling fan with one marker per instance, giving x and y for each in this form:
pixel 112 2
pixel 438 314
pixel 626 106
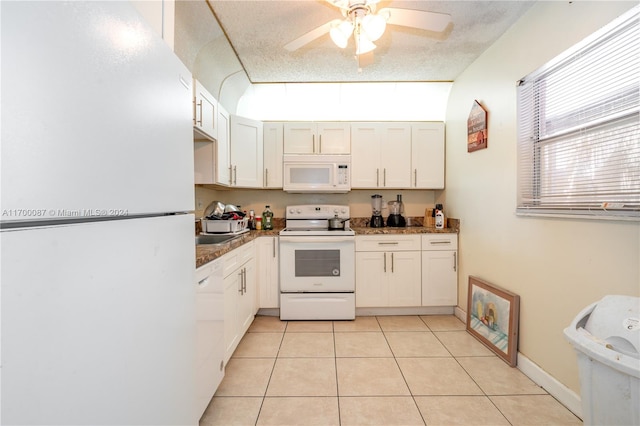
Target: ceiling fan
pixel 367 26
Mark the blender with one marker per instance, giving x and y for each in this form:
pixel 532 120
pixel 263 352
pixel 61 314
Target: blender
pixel 376 207
pixel 396 210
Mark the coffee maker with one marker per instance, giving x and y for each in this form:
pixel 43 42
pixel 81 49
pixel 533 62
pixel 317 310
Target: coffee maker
pixel 376 207
pixel 396 211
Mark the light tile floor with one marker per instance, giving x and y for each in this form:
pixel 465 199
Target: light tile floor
pixel 386 370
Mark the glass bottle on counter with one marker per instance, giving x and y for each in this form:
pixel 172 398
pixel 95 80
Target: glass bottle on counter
pixel 252 219
pixel 267 218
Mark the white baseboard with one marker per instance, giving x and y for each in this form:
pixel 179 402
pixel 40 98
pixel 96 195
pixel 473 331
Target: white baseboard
pixel 563 394
pixel 420 310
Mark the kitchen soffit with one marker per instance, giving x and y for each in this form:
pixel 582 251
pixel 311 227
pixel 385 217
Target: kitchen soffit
pixel 258 30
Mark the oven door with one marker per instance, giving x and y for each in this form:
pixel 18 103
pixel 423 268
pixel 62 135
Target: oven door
pixel 317 264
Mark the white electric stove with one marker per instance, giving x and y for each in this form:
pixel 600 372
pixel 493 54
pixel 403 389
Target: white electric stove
pixel 317 264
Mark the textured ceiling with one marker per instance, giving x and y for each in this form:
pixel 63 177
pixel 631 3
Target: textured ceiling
pixel 258 30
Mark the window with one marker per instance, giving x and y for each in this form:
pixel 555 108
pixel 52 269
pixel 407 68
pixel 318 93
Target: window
pixel 579 128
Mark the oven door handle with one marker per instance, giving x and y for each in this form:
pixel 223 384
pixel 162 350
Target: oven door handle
pixel 317 239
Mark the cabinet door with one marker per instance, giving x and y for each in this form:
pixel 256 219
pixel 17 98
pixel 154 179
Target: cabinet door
pixel 439 278
pixel 404 271
pixel 205 110
pixel 395 143
pixel 246 152
pixel 371 279
pixel 232 290
pixel 427 155
pixel 365 155
pixel 333 138
pixel 267 272
pixel 223 160
pixel 247 300
pixel 299 138
pixel 273 150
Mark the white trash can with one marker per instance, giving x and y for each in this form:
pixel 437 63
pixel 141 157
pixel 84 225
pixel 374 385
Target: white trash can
pixel 606 337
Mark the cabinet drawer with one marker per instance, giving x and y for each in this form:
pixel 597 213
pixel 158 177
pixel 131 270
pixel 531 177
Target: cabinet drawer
pixel 236 258
pixel 387 242
pixel 440 242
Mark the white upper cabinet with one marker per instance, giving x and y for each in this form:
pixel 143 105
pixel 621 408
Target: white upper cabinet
pixel 317 138
pixel 205 111
pixel 427 155
pixel 397 155
pixel 381 155
pixel 246 152
pixel 223 149
pixel 273 150
pixel 160 14
pixel 205 124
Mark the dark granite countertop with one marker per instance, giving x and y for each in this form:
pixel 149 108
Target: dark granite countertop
pixel 205 253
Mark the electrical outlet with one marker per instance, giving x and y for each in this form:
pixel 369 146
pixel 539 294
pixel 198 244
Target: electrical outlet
pixel 199 204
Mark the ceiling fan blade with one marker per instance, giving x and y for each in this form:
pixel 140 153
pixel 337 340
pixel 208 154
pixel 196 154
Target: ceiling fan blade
pixel 311 35
pixel 430 21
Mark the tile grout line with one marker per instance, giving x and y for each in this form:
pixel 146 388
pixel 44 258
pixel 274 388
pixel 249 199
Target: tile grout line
pixel 275 360
pixel 335 363
pixel 471 377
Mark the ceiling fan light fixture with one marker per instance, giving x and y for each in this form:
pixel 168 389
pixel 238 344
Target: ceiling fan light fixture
pixel 373 26
pixel 340 34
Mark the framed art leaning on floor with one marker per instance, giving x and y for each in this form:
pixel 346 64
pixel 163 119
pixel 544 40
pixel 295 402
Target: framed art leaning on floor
pixel 492 318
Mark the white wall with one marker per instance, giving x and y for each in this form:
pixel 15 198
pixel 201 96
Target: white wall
pixel 359 201
pixel 557 266
pixel 411 101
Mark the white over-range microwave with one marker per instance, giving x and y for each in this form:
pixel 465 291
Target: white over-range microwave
pixel 317 173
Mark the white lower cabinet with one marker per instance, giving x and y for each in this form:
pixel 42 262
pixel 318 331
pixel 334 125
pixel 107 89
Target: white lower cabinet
pixel 268 269
pixel 240 295
pixel 209 332
pixel 388 271
pixel 440 270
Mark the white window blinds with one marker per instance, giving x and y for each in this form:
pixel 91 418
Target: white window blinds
pixel 579 128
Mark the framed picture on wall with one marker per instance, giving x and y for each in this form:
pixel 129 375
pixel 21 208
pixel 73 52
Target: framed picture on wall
pixel 492 318
pixel 477 128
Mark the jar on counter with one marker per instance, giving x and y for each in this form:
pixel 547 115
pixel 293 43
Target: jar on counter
pixel 258 223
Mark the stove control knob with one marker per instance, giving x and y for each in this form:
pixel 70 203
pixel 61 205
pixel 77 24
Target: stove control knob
pixel 335 210
pixel 291 211
pixel 343 210
pixel 299 211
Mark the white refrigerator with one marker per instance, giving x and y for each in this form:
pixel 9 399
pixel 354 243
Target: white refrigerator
pixel 97 253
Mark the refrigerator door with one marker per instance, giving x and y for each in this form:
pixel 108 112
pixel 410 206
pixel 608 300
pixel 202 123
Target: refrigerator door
pixel 98 323
pixel 96 114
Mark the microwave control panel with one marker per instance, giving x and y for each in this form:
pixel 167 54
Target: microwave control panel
pixel 343 174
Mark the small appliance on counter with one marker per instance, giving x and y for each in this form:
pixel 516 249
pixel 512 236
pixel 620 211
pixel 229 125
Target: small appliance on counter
pixel 376 216
pixel 396 211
